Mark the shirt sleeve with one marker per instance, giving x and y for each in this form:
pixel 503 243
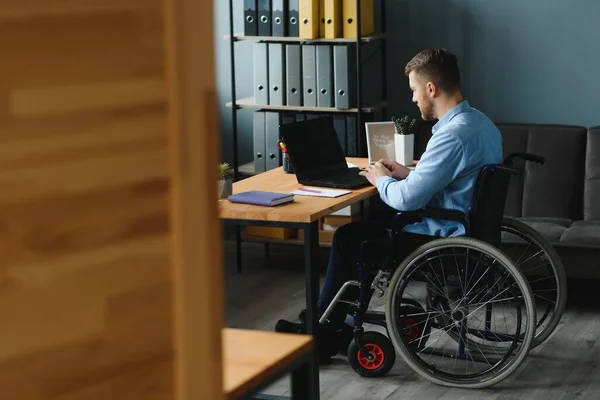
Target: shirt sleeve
pixel 437 168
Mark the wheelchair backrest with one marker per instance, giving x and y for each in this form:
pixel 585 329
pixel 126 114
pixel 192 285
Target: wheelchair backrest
pixel 489 198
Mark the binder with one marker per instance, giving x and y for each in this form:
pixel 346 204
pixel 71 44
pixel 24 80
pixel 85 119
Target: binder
pixel 261 77
pixel 367 13
pixel 293 74
pixel 259 141
pixel 264 16
pixel 333 19
pixel 344 65
pixel 322 18
pixel 293 28
pixel 309 19
pixel 309 74
pixel 276 70
pixel 273 159
pixel 279 17
pixel 324 76
pixel 287 118
pixel 250 18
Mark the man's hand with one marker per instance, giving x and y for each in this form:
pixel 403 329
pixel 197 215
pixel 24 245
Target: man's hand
pixel 372 172
pixel 398 170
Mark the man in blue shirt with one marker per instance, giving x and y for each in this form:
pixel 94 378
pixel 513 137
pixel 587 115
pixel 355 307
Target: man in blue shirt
pixel 463 141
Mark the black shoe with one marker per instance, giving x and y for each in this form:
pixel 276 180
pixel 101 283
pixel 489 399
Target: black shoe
pixel 343 336
pixel 327 346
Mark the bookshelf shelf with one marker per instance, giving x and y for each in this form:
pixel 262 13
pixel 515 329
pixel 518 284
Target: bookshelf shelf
pixel 287 39
pixel 248 102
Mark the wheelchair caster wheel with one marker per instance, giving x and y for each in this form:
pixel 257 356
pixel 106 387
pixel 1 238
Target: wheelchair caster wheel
pixel 378 362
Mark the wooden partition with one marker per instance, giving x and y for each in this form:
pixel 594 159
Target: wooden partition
pixel 87 307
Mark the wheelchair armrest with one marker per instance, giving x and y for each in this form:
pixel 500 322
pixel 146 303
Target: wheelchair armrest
pixel 403 218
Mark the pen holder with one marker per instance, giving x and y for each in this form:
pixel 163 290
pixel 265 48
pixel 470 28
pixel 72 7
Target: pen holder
pixel 288 168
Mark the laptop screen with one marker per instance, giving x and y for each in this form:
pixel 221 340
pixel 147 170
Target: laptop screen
pixel 313 146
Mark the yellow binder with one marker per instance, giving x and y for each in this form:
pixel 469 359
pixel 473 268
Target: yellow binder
pixel 367 13
pixel 322 19
pixel 333 19
pixel 309 18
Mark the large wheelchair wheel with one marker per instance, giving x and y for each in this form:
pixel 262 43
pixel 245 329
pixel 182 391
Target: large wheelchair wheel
pixel 543 268
pixel 482 318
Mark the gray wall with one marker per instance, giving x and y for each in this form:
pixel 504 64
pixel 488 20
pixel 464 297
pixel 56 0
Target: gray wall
pixel 532 61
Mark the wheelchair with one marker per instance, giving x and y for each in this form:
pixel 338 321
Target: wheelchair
pixel 461 311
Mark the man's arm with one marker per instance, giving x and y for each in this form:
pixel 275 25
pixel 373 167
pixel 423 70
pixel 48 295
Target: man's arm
pixel 438 166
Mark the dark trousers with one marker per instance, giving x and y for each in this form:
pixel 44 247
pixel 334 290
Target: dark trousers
pixel 344 256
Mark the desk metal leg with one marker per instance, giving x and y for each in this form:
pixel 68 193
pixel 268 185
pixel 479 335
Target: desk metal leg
pixel 238 248
pixel 301 382
pixel 311 266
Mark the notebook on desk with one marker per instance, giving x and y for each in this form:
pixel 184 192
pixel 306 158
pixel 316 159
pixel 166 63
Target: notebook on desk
pixel 261 198
pixel 317 156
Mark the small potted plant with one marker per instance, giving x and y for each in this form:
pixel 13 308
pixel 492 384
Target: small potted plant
pixel 225 180
pixel 404 139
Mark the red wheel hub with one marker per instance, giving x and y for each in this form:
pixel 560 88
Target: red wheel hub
pixel 375 359
pixel 411 328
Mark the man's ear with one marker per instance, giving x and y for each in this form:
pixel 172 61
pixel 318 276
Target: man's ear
pixel 431 89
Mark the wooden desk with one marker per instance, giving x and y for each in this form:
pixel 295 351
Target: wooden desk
pixel 304 209
pixel 254 359
pixel 304 213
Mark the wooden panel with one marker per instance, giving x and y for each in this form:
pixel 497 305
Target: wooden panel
pixel 303 209
pixel 197 241
pixel 85 285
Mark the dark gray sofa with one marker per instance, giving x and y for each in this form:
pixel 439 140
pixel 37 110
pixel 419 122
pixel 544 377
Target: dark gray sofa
pixel 560 199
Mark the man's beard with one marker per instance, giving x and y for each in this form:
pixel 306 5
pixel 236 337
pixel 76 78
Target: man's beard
pixel 427 111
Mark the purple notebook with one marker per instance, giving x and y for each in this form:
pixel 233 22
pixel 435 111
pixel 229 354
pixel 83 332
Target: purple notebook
pixel 261 198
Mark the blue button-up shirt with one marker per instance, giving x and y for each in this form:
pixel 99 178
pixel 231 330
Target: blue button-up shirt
pixel 463 141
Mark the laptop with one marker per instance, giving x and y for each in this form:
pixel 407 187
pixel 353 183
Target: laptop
pixel 317 155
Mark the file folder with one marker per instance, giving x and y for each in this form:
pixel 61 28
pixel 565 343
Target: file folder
pixel 264 17
pixel 367 12
pixel 293 29
pixel 324 76
pixel 261 74
pixel 250 18
pixel 344 65
pixel 333 19
pixel 277 92
pixel 309 19
pixel 293 74
pixel 259 141
pixel 279 17
pixel 322 19
pixel 272 136
pixel 309 73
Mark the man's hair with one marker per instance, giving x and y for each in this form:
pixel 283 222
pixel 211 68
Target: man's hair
pixel 439 66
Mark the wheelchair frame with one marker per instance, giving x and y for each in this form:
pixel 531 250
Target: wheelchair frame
pixel 382 278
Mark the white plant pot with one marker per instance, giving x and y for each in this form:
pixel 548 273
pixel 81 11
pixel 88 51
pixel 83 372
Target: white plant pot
pixel 225 188
pixel 405 149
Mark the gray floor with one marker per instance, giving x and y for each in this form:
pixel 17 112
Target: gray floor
pixel 564 367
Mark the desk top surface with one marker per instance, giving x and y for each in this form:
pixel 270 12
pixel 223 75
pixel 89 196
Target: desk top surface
pixel 303 209
pixel 253 357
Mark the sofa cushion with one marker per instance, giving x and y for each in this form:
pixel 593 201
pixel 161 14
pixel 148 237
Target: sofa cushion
pixel 585 233
pixel 591 193
pixel 555 189
pixel 551 228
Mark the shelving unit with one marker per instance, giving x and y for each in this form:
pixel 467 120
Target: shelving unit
pixel 358 112
pixel 248 102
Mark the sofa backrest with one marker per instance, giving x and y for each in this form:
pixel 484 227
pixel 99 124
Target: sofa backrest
pixel 554 189
pixel 591 193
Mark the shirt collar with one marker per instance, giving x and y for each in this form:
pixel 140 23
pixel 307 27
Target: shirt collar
pixel 457 109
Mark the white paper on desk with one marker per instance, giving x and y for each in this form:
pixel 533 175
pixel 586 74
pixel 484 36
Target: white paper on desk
pixel 320 192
